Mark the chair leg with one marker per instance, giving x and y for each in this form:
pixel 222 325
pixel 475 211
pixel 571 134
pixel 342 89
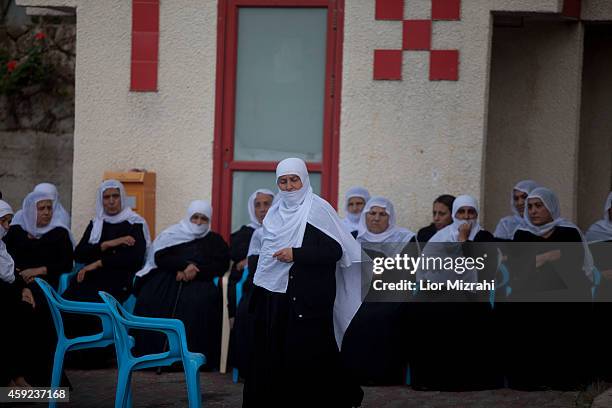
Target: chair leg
pixel 123 393
pixel 58 365
pixel 192 377
pixel 235 375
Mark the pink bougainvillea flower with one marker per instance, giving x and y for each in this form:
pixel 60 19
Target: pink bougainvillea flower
pixel 40 35
pixel 11 65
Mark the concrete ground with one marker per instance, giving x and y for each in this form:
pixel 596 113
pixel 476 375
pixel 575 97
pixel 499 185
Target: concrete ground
pixel 96 388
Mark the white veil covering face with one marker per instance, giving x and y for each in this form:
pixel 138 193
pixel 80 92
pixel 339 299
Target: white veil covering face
pixel 507 225
pixel 602 229
pixel 7 265
pixel 441 244
pixel 551 202
pixel 184 231
pixel 255 224
pixel 351 221
pixel 126 213
pixel 284 227
pixel 392 235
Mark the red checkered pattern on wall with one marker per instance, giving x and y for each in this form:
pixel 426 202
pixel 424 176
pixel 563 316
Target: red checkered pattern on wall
pixel 416 36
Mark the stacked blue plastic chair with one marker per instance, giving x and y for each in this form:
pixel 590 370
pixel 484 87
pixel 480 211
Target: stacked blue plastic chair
pixel 57 304
pixel 174 329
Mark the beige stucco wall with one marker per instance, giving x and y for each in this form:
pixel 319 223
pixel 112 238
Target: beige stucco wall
pixel 595 165
pixel 534 112
pixel 597 10
pixel 414 139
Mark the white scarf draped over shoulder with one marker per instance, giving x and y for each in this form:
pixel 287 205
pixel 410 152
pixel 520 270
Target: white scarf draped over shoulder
pixel 507 226
pixel 7 265
pixel 284 227
pixel 351 221
pixel 126 213
pixel 602 229
pixel 184 231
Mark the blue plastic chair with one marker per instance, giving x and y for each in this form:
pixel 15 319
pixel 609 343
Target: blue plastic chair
pixel 57 304
pixel 239 286
pixel 65 278
pixel 174 329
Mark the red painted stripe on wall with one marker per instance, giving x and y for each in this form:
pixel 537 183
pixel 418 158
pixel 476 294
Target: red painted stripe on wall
pixel 145 45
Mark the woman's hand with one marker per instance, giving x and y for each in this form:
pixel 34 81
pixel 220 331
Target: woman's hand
pixel 88 268
pixel 240 265
pixel 464 232
pixel 546 257
pixel 127 240
pixel 284 255
pixel 28 297
pixel 29 274
pixel 190 272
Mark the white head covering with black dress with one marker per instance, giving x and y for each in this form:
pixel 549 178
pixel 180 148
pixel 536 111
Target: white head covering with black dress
pixel 551 202
pixel 59 212
pixel 284 227
pixel 184 231
pixel 7 265
pixel 351 221
pixel 450 233
pixel 126 213
pixel 255 224
pixel 29 216
pixel 507 225
pixel 392 235
pixel 602 229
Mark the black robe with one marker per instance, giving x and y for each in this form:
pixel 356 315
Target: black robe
pixel 452 336
pixel 199 303
pixel 602 256
pixel 547 344
pixel 242 333
pixel 295 361
pixel 425 233
pixel 53 250
pixel 239 247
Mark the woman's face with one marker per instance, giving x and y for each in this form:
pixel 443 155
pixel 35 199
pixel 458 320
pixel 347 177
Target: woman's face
pixel 262 204
pixel 519 198
pixel 199 219
pixel 377 220
pixel 290 182
pixel 111 200
pixel 44 213
pixel 5 221
pixel 355 205
pixel 466 213
pixel 538 213
pixel 441 216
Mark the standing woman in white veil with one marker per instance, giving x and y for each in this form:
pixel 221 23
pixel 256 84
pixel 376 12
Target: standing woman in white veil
pixel 307 290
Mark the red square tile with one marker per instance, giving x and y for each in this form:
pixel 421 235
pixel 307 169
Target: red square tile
pixel 387 64
pixel 389 9
pixel 444 65
pixel 145 46
pixel 145 16
pixel 571 8
pixel 144 76
pixel 445 9
pixel 416 35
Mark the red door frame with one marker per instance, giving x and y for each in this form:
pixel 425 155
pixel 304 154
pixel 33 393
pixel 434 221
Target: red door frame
pixel 223 149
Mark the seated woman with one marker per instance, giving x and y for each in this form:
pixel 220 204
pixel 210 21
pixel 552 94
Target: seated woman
pixel 305 294
pixel 356 199
pixel 177 281
pixel 441 218
pixel 58 209
pixel 507 225
pixel 40 248
pixel 448 321
pixel 375 348
pixel 557 275
pixel 112 248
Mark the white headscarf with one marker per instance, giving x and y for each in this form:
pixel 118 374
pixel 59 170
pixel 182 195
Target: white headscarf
pixel 255 224
pixel 284 227
pixel 7 265
pixel 126 213
pixel 551 202
pixel 507 225
pixel 602 229
pixel 351 221
pixel 392 235
pixel 29 216
pixel 184 231
pixel 450 233
pixel 59 212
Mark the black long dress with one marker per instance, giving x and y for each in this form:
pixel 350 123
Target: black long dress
pixel 53 250
pixel 453 340
pixel 425 233
pixel 242 334
pixel 548 343
pixel 602 256
pixel 199 303
pixel 295 361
